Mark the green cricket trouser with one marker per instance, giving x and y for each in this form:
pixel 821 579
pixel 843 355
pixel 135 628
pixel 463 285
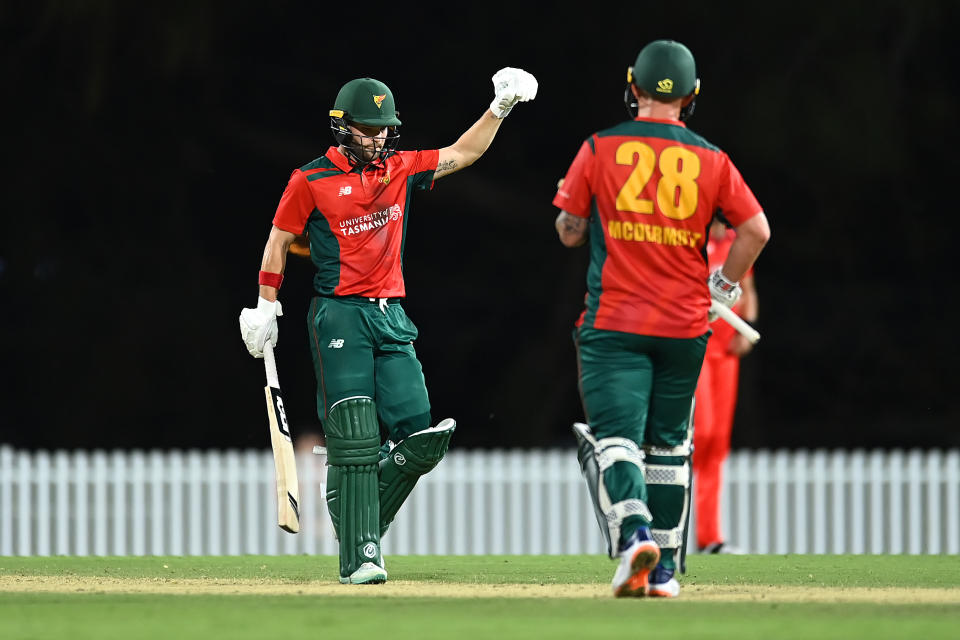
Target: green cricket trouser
pixel 641 388
pixel 638 387
pixel 362 348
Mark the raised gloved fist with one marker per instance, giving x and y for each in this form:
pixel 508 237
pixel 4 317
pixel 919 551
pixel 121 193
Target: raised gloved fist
pixel 259 324
pixel 723 291
pixel 511 86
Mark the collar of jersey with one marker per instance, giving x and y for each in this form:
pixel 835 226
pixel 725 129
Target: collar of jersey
pixel 661 121
pixel 339 160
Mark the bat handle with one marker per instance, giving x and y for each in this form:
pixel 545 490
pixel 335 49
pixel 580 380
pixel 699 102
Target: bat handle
pixel 735 321
pixel 270 364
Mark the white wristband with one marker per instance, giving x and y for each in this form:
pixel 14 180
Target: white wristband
pixel 269 307
pixel 724 283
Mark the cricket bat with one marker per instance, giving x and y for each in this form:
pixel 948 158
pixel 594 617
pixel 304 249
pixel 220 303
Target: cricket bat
pixel 735 321
pixel 288 489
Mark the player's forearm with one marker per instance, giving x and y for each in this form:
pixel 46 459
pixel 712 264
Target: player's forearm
pixel 475 141
pixel 752 235
pixel 749 308
pixel 275 258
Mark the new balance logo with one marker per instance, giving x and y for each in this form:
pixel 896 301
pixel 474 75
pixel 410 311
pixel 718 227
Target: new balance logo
pixel 345 191
pixel 336 343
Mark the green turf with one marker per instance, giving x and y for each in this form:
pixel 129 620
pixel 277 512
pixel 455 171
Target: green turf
pixel 181 617
pixel 842 571
pixel 108 616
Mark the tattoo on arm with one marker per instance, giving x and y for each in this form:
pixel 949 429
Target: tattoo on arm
pixel 573 224
pixel 573 230
pixel 445 167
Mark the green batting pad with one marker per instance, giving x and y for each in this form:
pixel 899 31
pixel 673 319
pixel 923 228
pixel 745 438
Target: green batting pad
pixel 416 455
pixel 666 503
pixel 352 433
pixel 353 445
pixel 669 503
pixel 359 518
pixel 333 498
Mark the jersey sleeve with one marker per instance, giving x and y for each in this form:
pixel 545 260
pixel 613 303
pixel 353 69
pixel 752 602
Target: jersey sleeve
pixel 295 206
pixel 573 196
pixel 422 169
pixel 734 197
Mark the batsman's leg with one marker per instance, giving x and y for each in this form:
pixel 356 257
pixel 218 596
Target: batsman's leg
pixel 596 457
pixel 615 381
pixel 668 488
pixel 353 444
pixel 667 448
pixel 637 551
pixel 411 458
pixel 404 409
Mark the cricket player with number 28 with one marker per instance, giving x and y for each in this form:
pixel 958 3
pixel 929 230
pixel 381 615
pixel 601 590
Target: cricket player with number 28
pixel 643 193
pixel 354 203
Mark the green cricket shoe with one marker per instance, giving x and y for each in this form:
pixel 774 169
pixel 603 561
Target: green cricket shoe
pixel 368 573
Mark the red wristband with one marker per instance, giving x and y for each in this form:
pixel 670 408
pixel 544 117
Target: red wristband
pixel 271 279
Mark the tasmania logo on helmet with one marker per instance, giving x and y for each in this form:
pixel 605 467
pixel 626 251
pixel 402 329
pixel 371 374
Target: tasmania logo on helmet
pixel 378 100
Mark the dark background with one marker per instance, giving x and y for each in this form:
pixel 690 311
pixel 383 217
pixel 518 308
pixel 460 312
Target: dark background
pixel 146 150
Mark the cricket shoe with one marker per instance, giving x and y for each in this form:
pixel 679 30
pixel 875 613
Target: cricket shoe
pixel 639 556
pixel 368 573
pixel 663 584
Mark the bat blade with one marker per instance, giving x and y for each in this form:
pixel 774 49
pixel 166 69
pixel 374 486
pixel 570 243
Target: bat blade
pixel 285 462
pixel 288 489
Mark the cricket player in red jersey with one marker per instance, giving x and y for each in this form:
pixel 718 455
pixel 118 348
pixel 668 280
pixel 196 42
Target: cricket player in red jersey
pixel 354 203
pixel 644 193
pixel 717 399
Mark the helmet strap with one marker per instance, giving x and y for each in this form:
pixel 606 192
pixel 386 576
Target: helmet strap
pixel 344 137
pixel 687 110
pixel 630 101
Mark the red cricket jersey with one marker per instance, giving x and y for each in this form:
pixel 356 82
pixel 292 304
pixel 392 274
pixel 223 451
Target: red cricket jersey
pixel 650 188
pixel 357 221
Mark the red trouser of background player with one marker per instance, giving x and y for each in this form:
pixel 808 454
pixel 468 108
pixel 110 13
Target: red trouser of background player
pixel 716 401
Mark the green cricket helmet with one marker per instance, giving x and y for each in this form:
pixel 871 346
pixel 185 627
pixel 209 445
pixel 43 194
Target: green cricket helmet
pixel 666 70
pixel 367 102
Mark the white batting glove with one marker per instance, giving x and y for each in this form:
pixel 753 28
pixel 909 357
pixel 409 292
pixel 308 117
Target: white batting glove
pixel 723 291
pixel 511 86
pixel 259 324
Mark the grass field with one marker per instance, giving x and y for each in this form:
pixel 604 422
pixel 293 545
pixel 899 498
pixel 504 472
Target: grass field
pixel 459 598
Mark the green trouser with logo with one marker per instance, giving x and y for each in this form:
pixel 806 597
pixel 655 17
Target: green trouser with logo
pixel 641 388
pixel 367 375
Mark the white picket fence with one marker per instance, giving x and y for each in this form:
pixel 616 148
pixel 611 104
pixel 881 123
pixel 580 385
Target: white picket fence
pixel 475 502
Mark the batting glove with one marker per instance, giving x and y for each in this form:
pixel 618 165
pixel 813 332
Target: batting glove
pixel 511 86
pixel 723 291
pixel 259 325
